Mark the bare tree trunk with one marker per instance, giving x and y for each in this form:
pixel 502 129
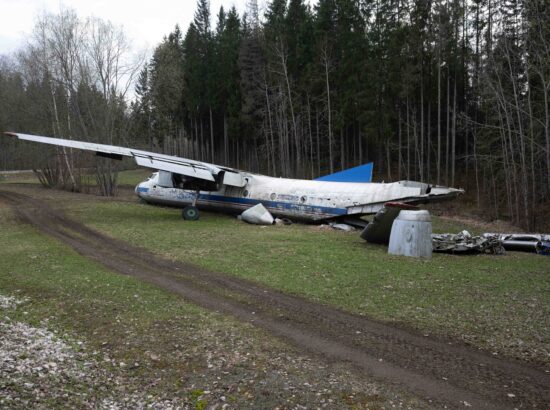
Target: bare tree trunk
pixel 196 145
pixel 408 142
pixel 494 186
pixel 268 105
pixel 211 136
pixel 65 154
pixel 202 144
pixel 225 140
pixel 360 143
pixel 447 129
pixel 416 145
pixel 57 130
pixel 310 137
pixel 478 201
pixel 326 59
pixel 525 183
pixel 532 156
pixel 267 144
pixel 354 149
pixel 453 143
pixel 238 152
pixel 399 142
pixel 283 59
pixel 546 91
pixel 342 150
pixel 421 156
pixel 439 104
pixel 318 142
pixel 388 160
pixel 429 143
pixel 507 132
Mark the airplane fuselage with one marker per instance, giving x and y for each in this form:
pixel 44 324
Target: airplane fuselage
pixel 296 199
pixel 181 182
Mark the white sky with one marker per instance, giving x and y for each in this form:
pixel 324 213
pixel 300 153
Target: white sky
pixel 145 22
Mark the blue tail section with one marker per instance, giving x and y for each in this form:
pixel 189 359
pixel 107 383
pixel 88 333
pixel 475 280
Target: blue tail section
pixel 362 173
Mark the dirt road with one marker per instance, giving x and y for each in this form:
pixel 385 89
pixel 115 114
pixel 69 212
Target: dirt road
pixel 448 373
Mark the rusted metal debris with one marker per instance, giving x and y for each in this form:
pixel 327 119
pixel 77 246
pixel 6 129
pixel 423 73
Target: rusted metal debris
pixel 464 242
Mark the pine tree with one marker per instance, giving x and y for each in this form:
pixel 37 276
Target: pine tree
pixel 228 96
pixel 166 87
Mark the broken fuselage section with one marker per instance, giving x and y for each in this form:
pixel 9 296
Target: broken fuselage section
pixel 301 200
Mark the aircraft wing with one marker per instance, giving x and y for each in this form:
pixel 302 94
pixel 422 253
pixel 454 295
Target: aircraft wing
pixel 190 168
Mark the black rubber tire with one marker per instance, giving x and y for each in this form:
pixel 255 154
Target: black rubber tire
pixel 190 213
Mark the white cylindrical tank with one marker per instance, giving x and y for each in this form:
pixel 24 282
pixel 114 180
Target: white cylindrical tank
pixel 411 234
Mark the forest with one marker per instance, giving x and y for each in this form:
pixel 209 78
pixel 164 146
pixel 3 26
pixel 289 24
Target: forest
pixel 450 92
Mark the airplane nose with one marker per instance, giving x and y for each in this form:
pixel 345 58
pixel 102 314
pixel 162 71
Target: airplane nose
pixel 142 189
pixel 139 189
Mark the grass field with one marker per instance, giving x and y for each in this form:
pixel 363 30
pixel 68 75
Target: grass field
pixel 136 345
pixel 129 177
pixel 500 304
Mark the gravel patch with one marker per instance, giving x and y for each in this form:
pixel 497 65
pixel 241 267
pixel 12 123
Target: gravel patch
pixel 11 302
pixel 40 369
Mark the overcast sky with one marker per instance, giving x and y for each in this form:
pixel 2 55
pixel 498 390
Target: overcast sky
pixel 145 22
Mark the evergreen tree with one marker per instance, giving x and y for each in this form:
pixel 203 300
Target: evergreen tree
pixel 167 86
pixel 228 93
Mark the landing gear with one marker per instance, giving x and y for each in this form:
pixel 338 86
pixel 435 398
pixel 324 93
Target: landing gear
pixel 190 213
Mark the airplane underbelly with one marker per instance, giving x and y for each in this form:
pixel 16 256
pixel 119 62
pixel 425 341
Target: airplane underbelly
pixel 214 201
pixel 276 208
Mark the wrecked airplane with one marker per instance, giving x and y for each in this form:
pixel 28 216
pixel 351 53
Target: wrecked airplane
pixel 193 185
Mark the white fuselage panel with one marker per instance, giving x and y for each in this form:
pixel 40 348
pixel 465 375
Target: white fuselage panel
pixel 291 198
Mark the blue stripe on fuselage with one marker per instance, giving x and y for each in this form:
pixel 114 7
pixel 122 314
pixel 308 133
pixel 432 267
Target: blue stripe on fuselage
pixel 283 206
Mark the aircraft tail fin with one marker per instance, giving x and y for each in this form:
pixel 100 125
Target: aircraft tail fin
pixel 362 173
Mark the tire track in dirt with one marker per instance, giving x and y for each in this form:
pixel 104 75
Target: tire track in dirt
pixel 447 373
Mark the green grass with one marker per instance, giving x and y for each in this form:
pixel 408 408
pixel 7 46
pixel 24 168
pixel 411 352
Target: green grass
pixel 128 177
pixel 499 303
pixel 23 177
pixel 182 351
pixel 133 176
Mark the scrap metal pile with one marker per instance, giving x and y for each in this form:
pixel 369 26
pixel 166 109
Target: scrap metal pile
pixel 491 243
pixel 380 230
pixel 464 242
